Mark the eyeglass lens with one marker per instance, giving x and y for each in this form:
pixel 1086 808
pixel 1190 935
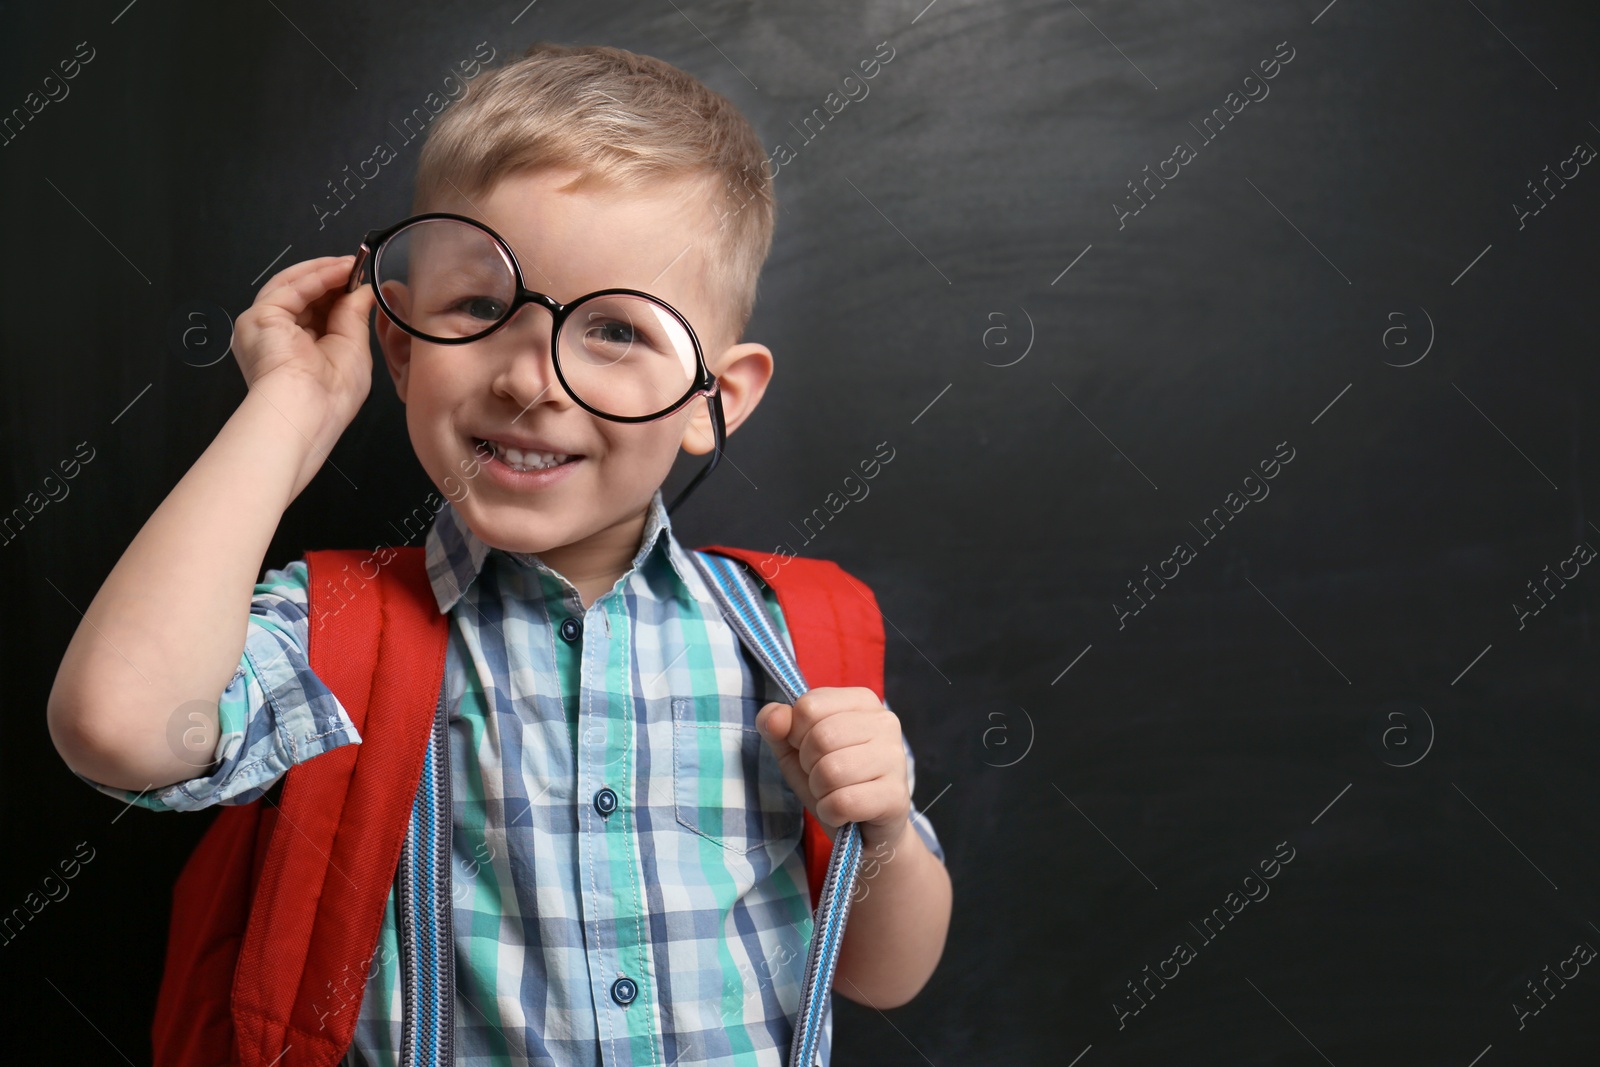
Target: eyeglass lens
pixel 624 355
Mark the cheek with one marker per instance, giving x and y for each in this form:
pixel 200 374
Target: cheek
pixel 643 454
pixel 436 391
pixel 434 436
pixel 425 440
pixel 647 443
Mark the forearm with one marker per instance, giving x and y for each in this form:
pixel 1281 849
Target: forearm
pixel 167 628
pixel 895 932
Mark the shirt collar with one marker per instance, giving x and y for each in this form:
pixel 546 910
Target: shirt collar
pixel 456 556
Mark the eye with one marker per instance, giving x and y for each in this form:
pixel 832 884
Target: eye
pixel 486 308
pixel 609 331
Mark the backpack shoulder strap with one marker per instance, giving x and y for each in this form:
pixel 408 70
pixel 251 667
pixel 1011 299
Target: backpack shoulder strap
pixel 837 633
pixel 378 641
pixel 837 642
pixel 834 625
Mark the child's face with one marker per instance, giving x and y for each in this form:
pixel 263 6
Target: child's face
pixel 503 387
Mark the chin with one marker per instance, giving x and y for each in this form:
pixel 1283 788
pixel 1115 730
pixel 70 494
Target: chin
pixel 510 532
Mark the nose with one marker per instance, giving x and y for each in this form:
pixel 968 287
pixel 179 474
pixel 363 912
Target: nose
pixel 525 373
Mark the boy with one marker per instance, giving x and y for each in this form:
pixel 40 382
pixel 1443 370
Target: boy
pixel 669 928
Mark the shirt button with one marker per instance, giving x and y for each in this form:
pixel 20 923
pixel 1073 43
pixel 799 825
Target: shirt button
pixel 605 802
pixel 571 628
pixel 623 990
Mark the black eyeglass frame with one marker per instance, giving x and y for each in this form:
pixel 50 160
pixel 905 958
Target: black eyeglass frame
pixel 705 383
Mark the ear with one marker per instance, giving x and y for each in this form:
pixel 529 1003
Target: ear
pixel 745 371
pixel 394 341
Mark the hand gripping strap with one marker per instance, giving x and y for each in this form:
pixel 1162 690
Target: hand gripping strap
pixel 837 629
pixel 344 815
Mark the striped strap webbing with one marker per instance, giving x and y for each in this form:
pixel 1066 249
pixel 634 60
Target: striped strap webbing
pixel 427 947
pixel 742 605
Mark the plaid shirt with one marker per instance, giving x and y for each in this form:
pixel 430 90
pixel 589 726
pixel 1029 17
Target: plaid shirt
pixel 694 887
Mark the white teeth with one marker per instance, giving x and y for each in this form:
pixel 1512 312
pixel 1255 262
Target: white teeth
pixel 520 460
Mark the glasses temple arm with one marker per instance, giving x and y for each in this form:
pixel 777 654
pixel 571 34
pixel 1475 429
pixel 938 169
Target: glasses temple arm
pixel 719 436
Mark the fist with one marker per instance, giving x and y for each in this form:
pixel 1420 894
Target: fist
pixel 842 754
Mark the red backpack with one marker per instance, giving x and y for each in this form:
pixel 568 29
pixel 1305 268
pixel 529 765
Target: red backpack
pixel 265 917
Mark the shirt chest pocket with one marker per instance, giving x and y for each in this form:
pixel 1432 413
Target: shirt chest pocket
pixel 726 782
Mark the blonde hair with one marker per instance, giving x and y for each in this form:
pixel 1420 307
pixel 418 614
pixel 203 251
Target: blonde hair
pixel 621 119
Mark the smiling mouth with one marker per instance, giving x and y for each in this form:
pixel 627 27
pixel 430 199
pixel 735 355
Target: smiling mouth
pixel 519 460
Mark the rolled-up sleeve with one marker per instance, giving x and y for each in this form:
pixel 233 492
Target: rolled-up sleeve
pixel 274 713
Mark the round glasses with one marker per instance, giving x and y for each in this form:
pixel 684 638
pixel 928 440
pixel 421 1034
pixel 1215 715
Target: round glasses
pixel 621 354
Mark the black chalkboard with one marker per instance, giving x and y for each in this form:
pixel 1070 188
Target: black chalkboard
pixel 1233 361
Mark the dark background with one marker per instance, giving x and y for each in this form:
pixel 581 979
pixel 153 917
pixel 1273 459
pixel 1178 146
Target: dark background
pixel 1097 789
